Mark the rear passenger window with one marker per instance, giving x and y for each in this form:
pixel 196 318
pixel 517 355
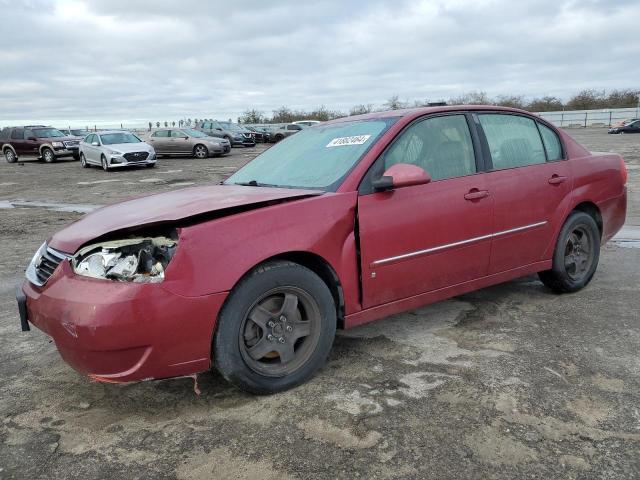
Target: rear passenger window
pixel 514 141
pixel 551 143
pixel 161 133
pixel 4 134
pixel 441 146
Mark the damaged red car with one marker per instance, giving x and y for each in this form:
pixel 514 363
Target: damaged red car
pixel 344 223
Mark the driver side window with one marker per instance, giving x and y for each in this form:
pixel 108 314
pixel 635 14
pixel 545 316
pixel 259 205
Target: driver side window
pixel 441 146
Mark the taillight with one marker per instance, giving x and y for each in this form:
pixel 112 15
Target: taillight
pixel 623 171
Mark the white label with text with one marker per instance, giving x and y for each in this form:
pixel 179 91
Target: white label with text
pixel 342 141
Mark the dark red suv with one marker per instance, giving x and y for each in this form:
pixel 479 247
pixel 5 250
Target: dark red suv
pixel 40 141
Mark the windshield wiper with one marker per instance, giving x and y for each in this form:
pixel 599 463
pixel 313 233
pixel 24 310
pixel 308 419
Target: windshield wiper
pixel 255 183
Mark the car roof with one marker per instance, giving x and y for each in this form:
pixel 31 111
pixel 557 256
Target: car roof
pixel 420 111
pixel 103 132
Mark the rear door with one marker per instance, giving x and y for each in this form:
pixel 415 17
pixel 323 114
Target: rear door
pixel 17 141
pixel 160 141
pixel 422 238
pixel 531 186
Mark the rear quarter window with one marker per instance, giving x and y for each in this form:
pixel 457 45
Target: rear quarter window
pixel 551 143
pixel 4 134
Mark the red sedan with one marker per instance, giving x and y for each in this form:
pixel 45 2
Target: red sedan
pixel 343 223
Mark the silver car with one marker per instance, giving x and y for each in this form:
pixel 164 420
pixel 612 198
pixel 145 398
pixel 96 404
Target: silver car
pixel 115 149
pixel 187 141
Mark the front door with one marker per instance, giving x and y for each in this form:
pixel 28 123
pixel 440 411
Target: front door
pixel 425 237
pixel 179 142
pixel 531 187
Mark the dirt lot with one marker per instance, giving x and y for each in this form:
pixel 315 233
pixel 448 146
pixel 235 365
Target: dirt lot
pixel 507 382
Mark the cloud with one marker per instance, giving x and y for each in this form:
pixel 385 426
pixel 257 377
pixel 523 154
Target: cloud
pixel 125 61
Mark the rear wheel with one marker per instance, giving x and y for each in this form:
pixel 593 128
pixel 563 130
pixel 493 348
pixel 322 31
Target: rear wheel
pixel 83 161
pixel 276 329
pixel 200 151
pixel 10 155
pixel 576 256
pixel 48 155
pixel 278 138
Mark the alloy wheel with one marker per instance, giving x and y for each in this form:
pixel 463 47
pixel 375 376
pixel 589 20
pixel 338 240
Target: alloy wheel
pixel 280 332
pixel 201 152
pixel 578 253
pixel 48 156
pixel 9 155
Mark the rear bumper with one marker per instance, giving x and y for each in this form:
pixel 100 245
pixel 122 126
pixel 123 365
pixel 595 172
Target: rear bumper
pixel 614 213
pixel 122 332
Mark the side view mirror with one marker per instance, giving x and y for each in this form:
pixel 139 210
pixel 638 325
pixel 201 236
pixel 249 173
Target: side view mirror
pixel 95 144
pixel 186 138
pixel 401 175
pixel 219 129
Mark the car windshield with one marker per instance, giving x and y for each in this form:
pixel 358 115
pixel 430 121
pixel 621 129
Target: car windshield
pixel 194 133
pixel 315 158
pixel 120 137
pixel 47 132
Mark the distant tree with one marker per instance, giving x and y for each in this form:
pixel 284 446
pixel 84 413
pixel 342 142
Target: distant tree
pixel 251 116
pixel 173 124
pixel 158 124
pixel 623 98
pixel 545 104
pixel 189 121
pixel 471 98
pixel 394 103
pixel 361 109
pixel 150 126
pixel 587 100
pixel 282 115
pixel 513 101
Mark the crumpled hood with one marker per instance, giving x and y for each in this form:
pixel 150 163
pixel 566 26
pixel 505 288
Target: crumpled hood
pixel 166 207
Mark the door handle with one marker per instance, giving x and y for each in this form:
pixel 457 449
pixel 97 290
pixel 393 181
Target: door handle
pixel 475 194
pixel 556 179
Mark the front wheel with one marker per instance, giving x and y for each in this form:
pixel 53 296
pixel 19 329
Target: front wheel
pixel 576 256
pixel 200 151
pixel 83 161
pixel 276 329
pixel 48 155
pixel 105 164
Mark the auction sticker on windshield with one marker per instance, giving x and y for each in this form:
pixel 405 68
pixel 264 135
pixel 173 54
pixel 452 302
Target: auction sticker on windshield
pixel 342 141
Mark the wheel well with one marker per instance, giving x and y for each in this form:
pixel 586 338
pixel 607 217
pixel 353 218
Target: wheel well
pixel 320 267
pixel 591 209
pixel 198 145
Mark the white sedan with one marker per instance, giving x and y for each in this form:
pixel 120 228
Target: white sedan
pixel 115 149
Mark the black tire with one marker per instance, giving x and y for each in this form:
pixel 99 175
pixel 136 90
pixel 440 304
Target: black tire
pixel 48 155
pixel 261 295
pixel 76 157
pixel 150 165
pixel 10 155
pixel 103 162
pixel 200 151
pixel 83 161
pixel 278 138
pixel 575 258
pixel 229 140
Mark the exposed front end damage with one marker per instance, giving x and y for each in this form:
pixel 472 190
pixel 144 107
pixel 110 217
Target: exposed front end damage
pixel 137 259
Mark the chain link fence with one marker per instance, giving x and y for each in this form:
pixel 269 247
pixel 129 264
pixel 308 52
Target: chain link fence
pixel 590 118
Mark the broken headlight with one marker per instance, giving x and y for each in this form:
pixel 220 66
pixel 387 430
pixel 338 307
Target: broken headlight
pixel 140 260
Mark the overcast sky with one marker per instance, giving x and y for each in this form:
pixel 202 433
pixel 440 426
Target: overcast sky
pixel 133 61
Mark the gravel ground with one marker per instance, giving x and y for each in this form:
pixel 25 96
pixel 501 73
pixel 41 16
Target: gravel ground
pixel 507 382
